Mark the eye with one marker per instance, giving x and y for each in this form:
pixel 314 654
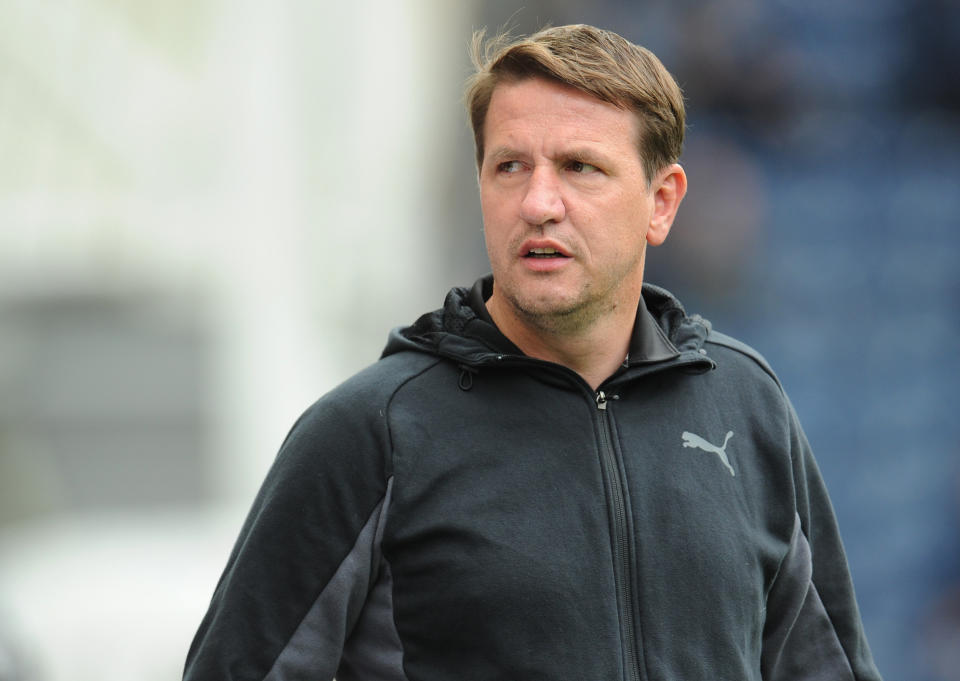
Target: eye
pixel 509 167
pixel 582 167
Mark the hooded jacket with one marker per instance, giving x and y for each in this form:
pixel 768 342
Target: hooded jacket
pixel 461 511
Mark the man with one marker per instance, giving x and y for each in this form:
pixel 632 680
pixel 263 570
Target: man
pixel 559 474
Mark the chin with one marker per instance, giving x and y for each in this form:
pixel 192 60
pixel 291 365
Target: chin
pixel 554 313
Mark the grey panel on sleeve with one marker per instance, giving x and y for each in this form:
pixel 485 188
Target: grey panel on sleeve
pixel 315 648
pixel 374 651
pixel 799 641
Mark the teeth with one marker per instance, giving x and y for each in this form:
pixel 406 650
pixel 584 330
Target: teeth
pixel 543 251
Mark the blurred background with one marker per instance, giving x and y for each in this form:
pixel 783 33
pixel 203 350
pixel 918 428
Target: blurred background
pixel 211 213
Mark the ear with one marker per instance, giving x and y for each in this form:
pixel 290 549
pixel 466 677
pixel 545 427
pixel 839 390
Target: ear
pixel 669 188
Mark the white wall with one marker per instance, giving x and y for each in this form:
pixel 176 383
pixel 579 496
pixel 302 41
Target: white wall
pixel 269 167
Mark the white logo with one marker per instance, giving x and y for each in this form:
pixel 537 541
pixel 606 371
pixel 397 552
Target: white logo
pixel 691 440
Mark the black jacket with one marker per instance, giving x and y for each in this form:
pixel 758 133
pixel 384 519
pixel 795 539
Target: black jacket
pixel 461 511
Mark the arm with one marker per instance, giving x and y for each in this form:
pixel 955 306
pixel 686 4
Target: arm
pixel 305 560
pixel 813 628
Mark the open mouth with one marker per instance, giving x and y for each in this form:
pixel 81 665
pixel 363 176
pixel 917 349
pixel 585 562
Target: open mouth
pixel 544 253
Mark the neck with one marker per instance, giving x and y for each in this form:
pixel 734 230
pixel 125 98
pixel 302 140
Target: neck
pixel 594 351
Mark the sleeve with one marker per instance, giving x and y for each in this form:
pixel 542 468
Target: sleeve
pixel 306 558
pixel 813 629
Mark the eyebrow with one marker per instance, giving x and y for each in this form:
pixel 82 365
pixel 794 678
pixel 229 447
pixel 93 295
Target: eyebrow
pixel 584 154
pixel 503 153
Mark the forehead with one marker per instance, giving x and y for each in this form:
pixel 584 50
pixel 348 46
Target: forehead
pixel 541 110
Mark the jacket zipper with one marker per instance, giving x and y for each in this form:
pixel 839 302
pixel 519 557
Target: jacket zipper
pixel 622 568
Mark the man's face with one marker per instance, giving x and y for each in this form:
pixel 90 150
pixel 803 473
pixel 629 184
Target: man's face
pixel 567 210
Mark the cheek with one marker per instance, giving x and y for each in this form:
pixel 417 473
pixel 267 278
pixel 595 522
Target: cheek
pixel 617 235
pixel 495 235
pixel 492 210
pixel 633 219
pixel 496 217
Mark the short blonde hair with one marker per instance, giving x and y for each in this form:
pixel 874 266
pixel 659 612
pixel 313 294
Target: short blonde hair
pixel 598 62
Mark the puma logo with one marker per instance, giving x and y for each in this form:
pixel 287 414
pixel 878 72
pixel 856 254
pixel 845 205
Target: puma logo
pixel 691 440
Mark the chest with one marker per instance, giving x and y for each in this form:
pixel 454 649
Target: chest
pixel 516 503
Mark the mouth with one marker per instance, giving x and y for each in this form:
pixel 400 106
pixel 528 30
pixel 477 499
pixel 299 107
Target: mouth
pixel 539 253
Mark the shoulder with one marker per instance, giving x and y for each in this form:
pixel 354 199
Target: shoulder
pixel 351 420
pixel 365 395
pixel 745 378
pixel 744 357
pixel 379 381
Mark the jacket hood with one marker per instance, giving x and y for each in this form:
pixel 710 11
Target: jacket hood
pixel 454 331
pixel 459 332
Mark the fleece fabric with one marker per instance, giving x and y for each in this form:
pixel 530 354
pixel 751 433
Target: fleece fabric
pixel 461 511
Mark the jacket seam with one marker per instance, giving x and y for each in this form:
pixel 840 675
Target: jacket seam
pixel 783 559
pixel 388 456
pixel 830 617
pixel 320 592
pixel 393 618
pixel 717 338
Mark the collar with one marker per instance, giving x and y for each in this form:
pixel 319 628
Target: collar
pixel 648 344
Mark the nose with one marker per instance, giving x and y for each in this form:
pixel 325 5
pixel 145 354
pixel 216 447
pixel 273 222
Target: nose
pixel 542 200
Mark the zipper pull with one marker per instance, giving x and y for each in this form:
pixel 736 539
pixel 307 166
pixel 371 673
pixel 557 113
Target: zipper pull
pixel 602 398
